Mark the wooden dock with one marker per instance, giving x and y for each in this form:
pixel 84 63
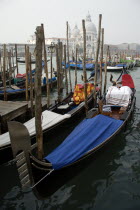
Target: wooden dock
pixel 9 110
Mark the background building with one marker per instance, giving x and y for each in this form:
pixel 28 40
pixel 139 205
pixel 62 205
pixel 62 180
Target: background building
pixel 76 38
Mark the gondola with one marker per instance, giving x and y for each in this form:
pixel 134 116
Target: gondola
pixel 19 90
pixel 58 116
pixel 101 126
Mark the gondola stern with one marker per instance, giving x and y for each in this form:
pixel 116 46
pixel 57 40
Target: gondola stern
pixel 21 147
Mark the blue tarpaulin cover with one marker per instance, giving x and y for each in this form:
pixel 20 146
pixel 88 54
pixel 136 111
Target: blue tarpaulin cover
pixel 87 135
pixel 88 66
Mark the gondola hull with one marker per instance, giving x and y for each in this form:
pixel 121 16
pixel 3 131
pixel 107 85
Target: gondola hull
pixel 50 183
pixel 65 126
pixel 21 92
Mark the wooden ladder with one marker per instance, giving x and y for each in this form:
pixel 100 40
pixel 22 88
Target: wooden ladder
pixel 23 170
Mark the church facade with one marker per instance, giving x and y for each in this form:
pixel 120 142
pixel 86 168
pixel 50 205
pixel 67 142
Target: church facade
pixel 76 38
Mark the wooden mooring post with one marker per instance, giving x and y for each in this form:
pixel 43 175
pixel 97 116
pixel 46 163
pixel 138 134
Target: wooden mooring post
pixel 10 67
pixel 76 52
pixel 31 85
pixel 27 69
pixel 16 54
pixel 84 66
pixel 4 72
pixel 65 70
pixel 46 69
pixel 38 95
pixel 105 70
pixel 68 56
pixel 58 73
pixel 101 61
pixel 97 55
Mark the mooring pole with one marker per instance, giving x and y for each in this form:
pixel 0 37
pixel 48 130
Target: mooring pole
pixel 38 96
pixel 65 69
pixel 10 68
pixel 68 56
pixel 76 67
pixel 16 57
pixel 84 66
pixel 101 61
pixel 27 69
pixel 46 69
pixel 4 72
pixel 31 85
pixel 105 70
pixel 97 54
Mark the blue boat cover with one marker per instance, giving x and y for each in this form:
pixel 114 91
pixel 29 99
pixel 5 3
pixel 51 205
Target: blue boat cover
pixel 87 135
pixel 121 65
pixel 88 66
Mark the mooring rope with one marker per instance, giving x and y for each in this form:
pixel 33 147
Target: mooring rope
pixel 42 178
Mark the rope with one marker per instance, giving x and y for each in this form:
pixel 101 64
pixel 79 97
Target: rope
pixel 42 179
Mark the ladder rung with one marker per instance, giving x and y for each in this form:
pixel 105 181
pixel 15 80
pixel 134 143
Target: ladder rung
pixel 20 162
pixel 25 179
pixel 20 155
pixel 23 174
pixel 28 183
pixel 22 168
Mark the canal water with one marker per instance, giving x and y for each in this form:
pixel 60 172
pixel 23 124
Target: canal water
pixel 110 182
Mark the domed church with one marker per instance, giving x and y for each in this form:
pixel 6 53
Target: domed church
pixel 91 36
pixel 76 38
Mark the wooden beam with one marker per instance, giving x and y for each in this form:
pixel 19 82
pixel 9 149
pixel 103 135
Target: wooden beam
pixel 84 66
pixel 38 96
pixel 68 55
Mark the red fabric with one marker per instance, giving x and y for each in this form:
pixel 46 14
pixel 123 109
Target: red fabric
pixel 80 85
pixel 20 75
pixel 127 81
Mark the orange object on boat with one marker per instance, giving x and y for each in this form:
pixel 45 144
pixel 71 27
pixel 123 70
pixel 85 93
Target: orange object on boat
pixel 79 95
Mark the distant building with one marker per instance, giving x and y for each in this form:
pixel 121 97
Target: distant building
pixel 76 37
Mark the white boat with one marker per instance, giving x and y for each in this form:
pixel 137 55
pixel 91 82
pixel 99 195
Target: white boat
pixel 114 68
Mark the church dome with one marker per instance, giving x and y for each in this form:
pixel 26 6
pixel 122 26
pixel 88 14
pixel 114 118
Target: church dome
pixel 75 32
pixel 90 27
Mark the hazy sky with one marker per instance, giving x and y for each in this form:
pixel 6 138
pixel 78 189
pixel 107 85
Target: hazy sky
pixel 19 18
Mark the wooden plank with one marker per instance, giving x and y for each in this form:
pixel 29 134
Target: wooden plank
pixel 9 107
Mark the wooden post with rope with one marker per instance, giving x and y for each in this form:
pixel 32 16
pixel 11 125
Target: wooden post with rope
pixel 84 66
pixel 38 96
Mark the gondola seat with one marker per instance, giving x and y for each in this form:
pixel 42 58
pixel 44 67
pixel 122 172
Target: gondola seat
pixel 65 106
